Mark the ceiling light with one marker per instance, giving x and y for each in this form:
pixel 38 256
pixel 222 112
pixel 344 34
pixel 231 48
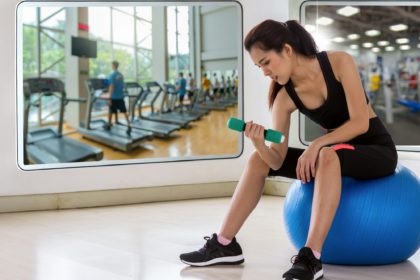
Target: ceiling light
pixel 372 32
pixel 404 47
pixel 367 45
pixel 376 50
pixel 353 36
pixel 398 27
pixel 354 47
pixel 418 46
pixel 338 40
pixel 348 11
pixel 324 21
pixel 402 40
pixel 310 27
pixel 383 43
pixel 389 48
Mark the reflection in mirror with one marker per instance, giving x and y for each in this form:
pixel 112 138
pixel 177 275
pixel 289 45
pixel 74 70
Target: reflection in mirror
pixel 144 82
pixel 383 38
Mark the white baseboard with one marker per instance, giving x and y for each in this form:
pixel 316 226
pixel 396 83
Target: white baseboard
pixel 129 196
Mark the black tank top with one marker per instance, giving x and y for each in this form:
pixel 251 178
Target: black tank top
pixel 334 111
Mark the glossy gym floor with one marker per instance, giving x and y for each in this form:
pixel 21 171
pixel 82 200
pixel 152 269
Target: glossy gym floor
pixel 143 242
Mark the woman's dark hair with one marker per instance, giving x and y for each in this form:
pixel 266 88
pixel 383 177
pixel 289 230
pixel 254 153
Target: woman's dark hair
pixel 273 35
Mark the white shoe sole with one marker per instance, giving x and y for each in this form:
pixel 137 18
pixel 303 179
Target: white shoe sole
pixel 224 260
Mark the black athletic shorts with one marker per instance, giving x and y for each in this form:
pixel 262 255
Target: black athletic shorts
pixel 117 105
pixel 368 156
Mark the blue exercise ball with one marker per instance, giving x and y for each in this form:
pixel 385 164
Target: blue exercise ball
pixel 377 221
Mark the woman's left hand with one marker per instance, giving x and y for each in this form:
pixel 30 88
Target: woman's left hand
pixel 306 165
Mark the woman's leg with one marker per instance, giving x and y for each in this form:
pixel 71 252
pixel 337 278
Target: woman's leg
pixel 246 196
pixel 326 197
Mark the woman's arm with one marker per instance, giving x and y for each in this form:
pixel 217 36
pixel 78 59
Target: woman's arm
pixel 275 154
pixel 346 70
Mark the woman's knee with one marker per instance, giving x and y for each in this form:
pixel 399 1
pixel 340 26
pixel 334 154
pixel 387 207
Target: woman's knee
pixel 327 157
pixel 256 164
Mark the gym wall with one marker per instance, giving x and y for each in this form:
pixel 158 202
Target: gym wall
pixel 18 182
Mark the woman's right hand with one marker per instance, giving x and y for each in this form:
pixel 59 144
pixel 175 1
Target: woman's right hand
pixel 255 132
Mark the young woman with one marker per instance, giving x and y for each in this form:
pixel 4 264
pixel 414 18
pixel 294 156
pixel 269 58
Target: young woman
pixel 326 87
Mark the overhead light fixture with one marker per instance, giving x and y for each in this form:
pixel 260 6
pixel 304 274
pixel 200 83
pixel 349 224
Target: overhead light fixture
pixel 376 50
pixel 402 40
pixel 348 11
pixel 398 27
pixel 321 40
pixel 324 21
pixel 338 40
pixel 405 47
pixel 383 43
pixel 354 47
pixel 418 46
pixel 367 45
pixel 310 27
pixel 372 32
pixel 353 36
pixel 389 48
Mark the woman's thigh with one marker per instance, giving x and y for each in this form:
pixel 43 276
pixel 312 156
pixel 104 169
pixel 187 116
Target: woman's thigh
pixel 357 161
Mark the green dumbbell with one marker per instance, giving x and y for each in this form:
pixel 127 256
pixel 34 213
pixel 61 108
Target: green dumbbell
pixel 269 134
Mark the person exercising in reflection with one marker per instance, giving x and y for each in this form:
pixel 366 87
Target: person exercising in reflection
pixel 116 101
pixel 181 88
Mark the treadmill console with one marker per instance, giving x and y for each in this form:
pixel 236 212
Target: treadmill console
pixel 98 84
pixel 42 85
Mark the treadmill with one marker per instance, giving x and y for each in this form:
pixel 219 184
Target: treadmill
pixel 117 136
pixel 201 103
pixel 155 90
pixel 192 112
pixel 159 129
pixel 48 144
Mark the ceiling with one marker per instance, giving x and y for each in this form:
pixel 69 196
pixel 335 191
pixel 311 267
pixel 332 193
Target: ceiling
pixel 368 17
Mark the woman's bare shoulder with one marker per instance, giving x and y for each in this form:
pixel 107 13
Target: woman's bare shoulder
pixel 337 58
pixel 283 102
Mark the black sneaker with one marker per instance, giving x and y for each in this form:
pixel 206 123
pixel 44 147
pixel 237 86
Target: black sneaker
pixel 129 131
pixel 214 253
pixel 107 127
pixel 305 266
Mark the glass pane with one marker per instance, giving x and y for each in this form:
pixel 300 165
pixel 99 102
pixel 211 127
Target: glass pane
pixel 128 10
pixel 183 44
pixel 57 21
pixel 100 23
pixel 100 67
pixel 388 68
pixel 144 13
pixel 183 20
pixel 144 34
pixel 48 110
pixel 125 57
pixel 48 11
pixel 171 43
pixel 30 52
pixel 144 58
pixel 58 70
pixel 123 32
pixel 29 15
pixel 123 28
pixel 171 20
pixel 51 53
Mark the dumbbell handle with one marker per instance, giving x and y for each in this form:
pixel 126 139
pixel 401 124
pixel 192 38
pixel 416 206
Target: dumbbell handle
pixel 269 134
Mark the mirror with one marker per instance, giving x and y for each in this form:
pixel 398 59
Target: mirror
pixel 383 38
pixel 102 83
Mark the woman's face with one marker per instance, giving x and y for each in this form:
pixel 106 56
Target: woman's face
pixel 275 65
